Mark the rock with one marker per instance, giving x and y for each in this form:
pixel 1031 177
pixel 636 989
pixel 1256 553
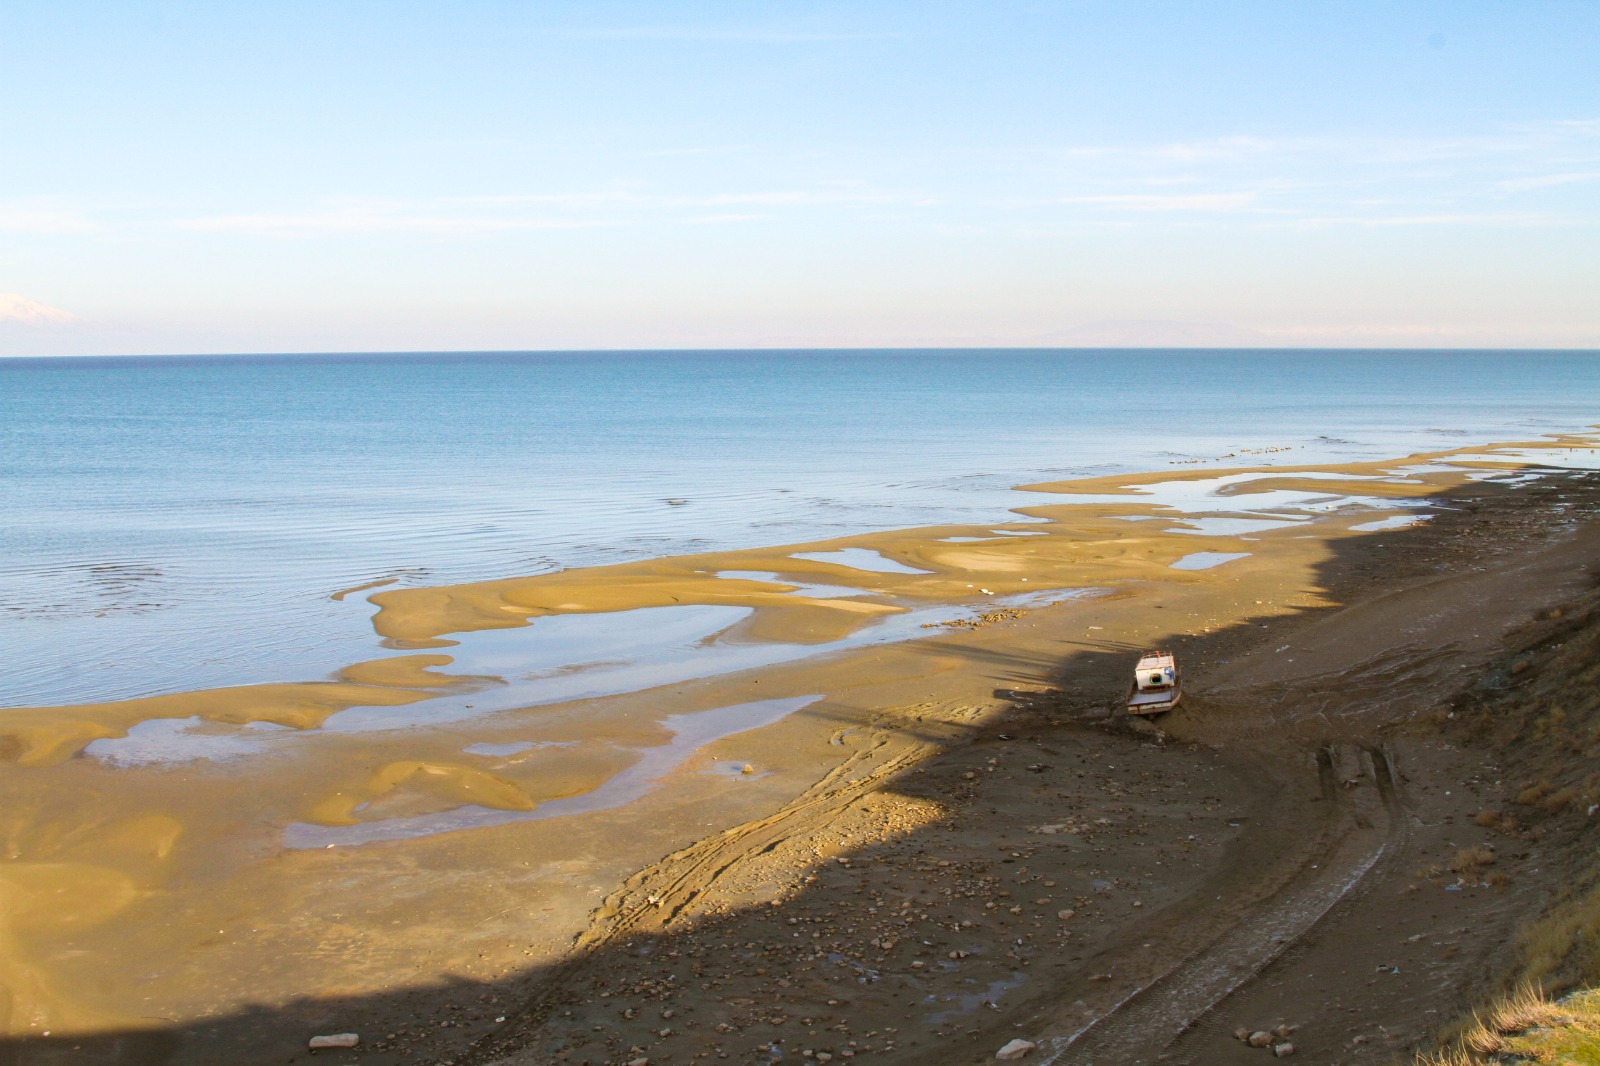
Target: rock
pixel 1241 1033
pixel 1065 915
pixel 639 1062
pixel 1283 1050
pixel 1259 1038
pixel 1015 1050
pixel 1283 1031
pixel 333 1040
pixel 747 769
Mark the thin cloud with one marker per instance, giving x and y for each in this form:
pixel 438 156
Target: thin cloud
pixel 1528 137
pixel 753 34
pixel 37 220
pixel 719 220
pixel 1221 202
pixel 498 214
pixel 631 199
pixel 1504 218
pixel 1547 180
pixel 337 223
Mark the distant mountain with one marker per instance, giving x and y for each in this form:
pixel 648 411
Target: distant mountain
pixel 18 308
pixel 1153 333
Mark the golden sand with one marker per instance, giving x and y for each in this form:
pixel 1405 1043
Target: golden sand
pixel 179 872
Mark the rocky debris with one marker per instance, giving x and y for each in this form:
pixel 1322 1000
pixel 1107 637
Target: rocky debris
pixel 1003 614
pixel 1276 1039
pixel 1016 1049
pixel 812 945
pixel 335 1040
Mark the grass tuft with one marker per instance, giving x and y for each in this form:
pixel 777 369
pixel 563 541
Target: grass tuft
pixel 1527 1026
pixel 1471 860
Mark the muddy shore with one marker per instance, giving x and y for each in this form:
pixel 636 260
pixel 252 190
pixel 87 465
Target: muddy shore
pixel 944 847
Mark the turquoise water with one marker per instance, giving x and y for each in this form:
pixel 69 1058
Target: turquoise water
pixel 176 523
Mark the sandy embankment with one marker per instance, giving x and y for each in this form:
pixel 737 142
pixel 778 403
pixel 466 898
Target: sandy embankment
pixel 157 899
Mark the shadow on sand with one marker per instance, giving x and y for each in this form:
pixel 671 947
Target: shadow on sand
pixel 751 983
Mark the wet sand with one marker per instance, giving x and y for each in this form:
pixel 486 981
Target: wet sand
pixel 218 875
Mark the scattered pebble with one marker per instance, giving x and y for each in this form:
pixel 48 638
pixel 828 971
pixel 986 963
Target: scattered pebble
pixel 335 1040
pixel 1015 1050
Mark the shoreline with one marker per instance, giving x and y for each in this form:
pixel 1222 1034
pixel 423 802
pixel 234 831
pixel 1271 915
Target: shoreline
pixel 168 872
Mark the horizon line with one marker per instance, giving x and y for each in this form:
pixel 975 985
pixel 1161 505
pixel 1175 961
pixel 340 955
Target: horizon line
pixel 796 350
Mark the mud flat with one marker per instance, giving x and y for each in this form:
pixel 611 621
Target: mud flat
pixel 856 797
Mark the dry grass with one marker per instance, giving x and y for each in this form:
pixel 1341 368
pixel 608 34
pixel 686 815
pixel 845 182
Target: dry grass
pixel 1557 801
pixel 1565 943
pixel 1472 860
pixel 1498 820
pixel 1527 1026
pixel 1543 712
pixel 1534 793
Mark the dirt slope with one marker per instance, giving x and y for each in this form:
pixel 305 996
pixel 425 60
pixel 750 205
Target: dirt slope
pixel 1299 845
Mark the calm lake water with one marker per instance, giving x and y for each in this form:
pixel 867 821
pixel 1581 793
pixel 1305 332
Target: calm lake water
pixel 178 523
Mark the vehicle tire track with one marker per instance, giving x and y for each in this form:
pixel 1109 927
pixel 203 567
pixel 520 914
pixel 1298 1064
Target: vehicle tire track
pixel 659 894
pixel 1186 997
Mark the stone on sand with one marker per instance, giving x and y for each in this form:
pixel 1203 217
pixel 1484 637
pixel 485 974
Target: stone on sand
pixel 334 1040
pixel 1015 1050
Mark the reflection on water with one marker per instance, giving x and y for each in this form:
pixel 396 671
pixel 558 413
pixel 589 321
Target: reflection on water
pixel 180 523
pixel 801 588
pixel 964 1003
pixel 630 651
pixel 1233 527
pixel 1206 560
pixel 689 733
pixel 176 740
pixel 1399 521
pixel 861 559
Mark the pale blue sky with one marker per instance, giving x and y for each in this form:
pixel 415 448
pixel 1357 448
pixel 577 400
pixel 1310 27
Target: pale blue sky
pixel 230 176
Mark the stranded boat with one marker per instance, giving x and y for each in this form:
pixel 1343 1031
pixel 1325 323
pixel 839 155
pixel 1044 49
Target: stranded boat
pixel 1156 685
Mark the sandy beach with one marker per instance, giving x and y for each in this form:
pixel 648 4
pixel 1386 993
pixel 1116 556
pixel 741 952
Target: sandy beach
pixel 855 797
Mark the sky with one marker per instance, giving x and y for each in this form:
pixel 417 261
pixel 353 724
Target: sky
pixel 230 176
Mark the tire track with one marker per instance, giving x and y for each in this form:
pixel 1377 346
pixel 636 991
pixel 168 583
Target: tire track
pixel 1185 998
pixel 652 899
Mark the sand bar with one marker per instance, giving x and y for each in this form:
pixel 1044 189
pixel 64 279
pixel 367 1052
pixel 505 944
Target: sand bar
pixel 193 871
